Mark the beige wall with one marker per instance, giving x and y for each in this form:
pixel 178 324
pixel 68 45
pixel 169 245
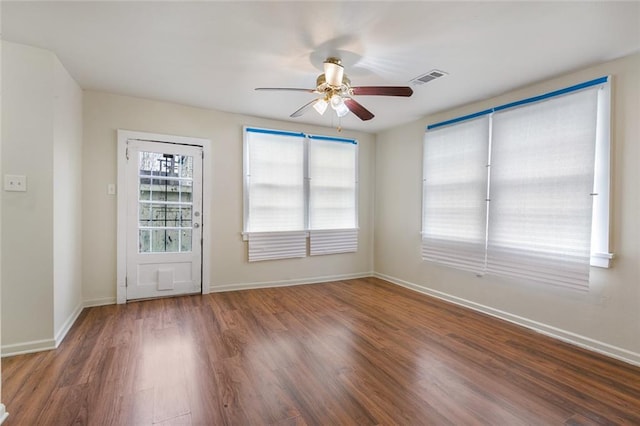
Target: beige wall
pixel 67 189
pixel 607 318
pixel 27 217
pixel 105 113
pixel 41 139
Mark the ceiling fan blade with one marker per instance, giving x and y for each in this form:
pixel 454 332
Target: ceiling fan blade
pixel 290 89
pixel 355 107
pixel 383 90
pixel 304 108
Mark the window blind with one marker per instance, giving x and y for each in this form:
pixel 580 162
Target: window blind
pixel 275 195
pixel 277 245
pixel 542 166
pixel 332 195
pixel 275 180
pixel 454 195
pixel 547 187
pixel 298 186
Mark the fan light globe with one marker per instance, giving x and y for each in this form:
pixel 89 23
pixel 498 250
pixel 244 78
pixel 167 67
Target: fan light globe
pixel 320 106
pixel 342 110
pixel 336 100
pixel 337 103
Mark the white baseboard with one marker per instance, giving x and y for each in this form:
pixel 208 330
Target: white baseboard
pixel 3 414
pixel 287 283
pixel 49 344
pixel 99 302
pixel 28 347
pixel 44 344
pixel 548 330
pixel 68 324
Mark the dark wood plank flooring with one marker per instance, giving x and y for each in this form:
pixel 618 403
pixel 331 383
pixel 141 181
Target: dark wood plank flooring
pixel 352 352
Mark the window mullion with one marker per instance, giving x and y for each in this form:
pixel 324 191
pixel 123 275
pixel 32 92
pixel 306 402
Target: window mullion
pixel 307 186
pixel 488 191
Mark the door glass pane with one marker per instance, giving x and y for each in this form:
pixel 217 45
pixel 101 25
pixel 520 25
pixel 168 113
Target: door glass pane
pixel 164 240
pixel 165 203
pixel 185 240
pixel 185 216
pixel 145 241
pixel 186 166
pixel 186 188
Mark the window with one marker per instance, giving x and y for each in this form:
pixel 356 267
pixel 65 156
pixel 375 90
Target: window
pixel 522 190
pixel 299 186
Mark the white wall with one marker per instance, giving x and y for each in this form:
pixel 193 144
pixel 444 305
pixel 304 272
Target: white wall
pixel 41 107
pixel 607 318
pixel 105 113
pixel 67 205
pixel 3 413
pixel 27 217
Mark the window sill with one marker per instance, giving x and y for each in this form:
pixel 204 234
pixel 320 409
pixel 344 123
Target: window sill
pixel 601 260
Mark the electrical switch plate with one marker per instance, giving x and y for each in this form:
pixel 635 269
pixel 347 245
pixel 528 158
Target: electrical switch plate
pixel 111 189
pixel 15 183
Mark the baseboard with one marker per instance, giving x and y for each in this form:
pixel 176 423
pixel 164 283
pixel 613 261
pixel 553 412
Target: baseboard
pixel 3 414
pixel 68 324
pixel 287 283
pixel 99 302
pixel 49 344
pixel 557 333
pixel 45 344
pixel 28 347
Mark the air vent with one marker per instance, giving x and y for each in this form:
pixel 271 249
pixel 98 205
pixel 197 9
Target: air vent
pixel 425 78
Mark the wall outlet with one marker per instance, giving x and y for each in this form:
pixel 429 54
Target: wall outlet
pixel 15 183
pixel 111 189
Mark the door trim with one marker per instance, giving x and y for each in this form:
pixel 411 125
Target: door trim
pixel 121 247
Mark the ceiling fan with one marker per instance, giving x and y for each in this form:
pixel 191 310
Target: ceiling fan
pixel 336 90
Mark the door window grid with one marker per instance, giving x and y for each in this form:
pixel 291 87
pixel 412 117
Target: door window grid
pixel 165 203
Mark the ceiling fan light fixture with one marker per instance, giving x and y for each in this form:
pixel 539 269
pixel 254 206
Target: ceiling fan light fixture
pixel 320 106
pixel 336 100
pixel 338 105
pixel 335 89
pixel 333 72
pixel 342 110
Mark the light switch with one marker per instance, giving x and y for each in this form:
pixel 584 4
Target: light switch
pixel 15 183
pixel 111 189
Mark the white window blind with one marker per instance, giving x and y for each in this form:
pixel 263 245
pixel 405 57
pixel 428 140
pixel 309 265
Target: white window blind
pixel 277 245
pixel 275 180
pixel 542 163
pixel 454 194
pixel 299 186
pixel 332 195
pixel 542 196
pixel 274 194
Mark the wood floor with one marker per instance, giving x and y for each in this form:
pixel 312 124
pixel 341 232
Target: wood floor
pixel 352 352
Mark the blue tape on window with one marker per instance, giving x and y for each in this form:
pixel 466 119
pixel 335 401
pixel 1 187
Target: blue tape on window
pixel 275 132
pixel 539 98
pixel 333 139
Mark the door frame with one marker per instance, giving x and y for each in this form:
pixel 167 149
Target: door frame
pixel 121 247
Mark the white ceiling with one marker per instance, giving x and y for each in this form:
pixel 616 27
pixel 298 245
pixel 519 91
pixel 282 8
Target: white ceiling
pixel 213 54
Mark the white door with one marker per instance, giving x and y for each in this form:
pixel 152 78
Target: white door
pixel 164 212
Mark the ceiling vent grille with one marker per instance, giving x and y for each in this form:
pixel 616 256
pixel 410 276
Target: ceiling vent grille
pixel 425 78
